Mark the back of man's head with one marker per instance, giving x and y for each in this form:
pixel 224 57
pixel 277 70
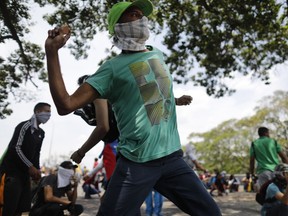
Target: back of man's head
pixel 281 170
pixel 68 165
pixel 263 131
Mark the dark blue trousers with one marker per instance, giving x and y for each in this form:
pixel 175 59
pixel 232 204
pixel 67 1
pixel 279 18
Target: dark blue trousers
pixel 171 176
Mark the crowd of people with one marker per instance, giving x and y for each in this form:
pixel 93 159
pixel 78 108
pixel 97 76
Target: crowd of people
pixel 50 190
pixel 131 104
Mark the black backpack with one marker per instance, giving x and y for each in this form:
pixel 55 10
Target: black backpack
pixel 260 196
pixel 87 113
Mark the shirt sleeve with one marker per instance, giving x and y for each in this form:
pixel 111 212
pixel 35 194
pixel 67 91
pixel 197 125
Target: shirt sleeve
pixel 190 152
pixel 272 190
pixel 19 144
pixel 102 79
pixel 49 180
pixel 36 158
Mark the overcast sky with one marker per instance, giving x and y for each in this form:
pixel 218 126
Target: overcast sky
pixel 65 134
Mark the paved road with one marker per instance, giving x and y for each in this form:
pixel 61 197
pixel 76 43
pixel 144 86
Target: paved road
pixel 233 204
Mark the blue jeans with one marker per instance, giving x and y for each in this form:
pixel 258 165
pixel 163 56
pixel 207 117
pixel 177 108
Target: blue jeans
pixel 155 209
pixel 274 209
pixel 171 176
pixel 89 190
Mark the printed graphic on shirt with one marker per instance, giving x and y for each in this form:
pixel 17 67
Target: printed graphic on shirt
pixel 156 92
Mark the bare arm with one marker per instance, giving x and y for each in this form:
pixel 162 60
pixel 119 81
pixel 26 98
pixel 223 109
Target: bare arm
pixel 199 166
pixel 102 117
pixel 49 197
pixel 283 197
pixel 283 157
pixel 252 165
pixel 64 102
pixel 72 194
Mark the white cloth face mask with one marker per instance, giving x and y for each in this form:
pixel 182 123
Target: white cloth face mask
pixel 131 35
pixel 43 117
pixel 64 176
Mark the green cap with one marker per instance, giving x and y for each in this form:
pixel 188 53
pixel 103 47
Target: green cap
pixel 117 10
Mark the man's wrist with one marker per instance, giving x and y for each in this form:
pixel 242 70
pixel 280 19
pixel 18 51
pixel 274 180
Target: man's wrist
pixel 50 50
pixel 80 153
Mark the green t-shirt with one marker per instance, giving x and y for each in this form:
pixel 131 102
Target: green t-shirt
pixel 139 87
pixel 266 153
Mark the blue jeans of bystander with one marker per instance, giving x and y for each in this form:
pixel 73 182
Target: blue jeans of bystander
pixel 154 204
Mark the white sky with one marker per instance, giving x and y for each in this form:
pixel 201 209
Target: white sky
pixel 65 134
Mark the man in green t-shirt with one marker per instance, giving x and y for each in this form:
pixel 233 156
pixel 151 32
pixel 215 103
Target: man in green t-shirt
pixel 138 85
pixel 265 151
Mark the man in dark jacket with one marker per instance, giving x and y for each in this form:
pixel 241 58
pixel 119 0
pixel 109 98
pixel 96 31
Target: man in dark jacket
pixel 21 161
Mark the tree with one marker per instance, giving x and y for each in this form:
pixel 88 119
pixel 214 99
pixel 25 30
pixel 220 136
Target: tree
pixel 208 42
pixel 24 63
pixel 226 147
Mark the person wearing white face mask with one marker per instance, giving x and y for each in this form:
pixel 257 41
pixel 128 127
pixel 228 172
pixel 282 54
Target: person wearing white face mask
pixel 138 85
pixel 21 161
pixel 57 192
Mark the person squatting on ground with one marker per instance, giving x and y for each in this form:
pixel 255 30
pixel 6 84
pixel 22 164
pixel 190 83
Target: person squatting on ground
pixel 91 186
pixel 218 182
pixel 139 87
pixel 265 151
pixel 50 200
pixel 222 183
pixel 21 161
pixel 233 183
pixel 276 199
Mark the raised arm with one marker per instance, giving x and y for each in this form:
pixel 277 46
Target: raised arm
pixel 283 157
pixel 64 102
pixel 252 165
pixel 283 197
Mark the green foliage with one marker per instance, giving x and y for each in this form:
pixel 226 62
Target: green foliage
pixel 224 38
pixel 226 147
pixel 208 42
pixel 24 63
